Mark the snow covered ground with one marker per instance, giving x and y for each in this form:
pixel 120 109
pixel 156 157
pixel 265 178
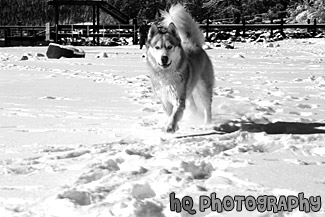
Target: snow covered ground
pixel 83 137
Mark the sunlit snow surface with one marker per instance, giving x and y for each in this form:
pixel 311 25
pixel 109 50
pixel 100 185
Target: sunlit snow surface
pixel 83 137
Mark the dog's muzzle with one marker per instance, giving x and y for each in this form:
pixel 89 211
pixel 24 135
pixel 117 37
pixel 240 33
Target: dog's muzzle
pixel 164 61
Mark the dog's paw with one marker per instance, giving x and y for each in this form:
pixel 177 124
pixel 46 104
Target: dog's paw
pixel 171 128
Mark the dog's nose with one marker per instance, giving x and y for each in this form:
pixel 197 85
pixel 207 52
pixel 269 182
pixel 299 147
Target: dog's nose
pixel 164 60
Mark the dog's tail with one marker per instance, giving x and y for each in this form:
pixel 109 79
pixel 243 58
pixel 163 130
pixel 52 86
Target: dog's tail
pixel 188 29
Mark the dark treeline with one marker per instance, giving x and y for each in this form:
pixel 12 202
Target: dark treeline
pixel 37 12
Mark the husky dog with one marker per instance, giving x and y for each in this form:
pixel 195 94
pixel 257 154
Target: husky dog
pixel 181 71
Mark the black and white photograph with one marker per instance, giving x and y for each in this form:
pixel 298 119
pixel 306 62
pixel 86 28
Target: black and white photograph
pixel 162 108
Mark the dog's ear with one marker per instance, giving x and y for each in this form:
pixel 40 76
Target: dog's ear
pixel 172 29
pixel 153 31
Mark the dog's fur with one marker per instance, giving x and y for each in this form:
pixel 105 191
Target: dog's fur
pixel 182 72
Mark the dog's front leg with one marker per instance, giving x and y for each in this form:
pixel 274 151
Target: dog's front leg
pixel 173 119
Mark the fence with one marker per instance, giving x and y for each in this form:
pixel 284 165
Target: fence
pixel 23 35
pixel 97 31
pixel 272 26
pixel 31 35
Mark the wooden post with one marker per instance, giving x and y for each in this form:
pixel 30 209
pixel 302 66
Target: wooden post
pixel 94 23
pixel 207 31
pixel 33 39
pixel 20 33
pixel 6 36
pixel 135 31
pixel 308 22
pixel 271 28
pixel 281 27
pixel 56 23
pixel 244 26
pixel 315 28
pixel 47 31
pixel 72 37
pixel 97 29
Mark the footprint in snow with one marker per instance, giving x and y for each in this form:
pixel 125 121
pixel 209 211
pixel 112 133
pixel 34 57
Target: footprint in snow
pixel 307 106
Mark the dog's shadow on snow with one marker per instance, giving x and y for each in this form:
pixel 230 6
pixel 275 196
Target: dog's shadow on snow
pixel 272 128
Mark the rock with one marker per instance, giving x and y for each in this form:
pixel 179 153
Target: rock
pixel 206 47
pixel 320 35
pixel 266 35
pixel 238 56
pixel 269 45
pixel 221 36
pixel 229 45
pixel 73 154
pixel 141 170
pixel 110 165
pixel 56 51
pixel 148 209
pixel 262 40
pixel 26 56
pixel 102 55
pixel 142 191
pixel 212 36
pixel 79 197
pixel 253 37
pixel 201 171
pixel 40 55
pixel 94 175
pixel 240 39
pixel 3 57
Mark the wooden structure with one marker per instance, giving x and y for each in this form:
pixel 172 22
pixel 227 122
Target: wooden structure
pixel 22 35
pixel 272 26
pixel 96 5
pixel 33 35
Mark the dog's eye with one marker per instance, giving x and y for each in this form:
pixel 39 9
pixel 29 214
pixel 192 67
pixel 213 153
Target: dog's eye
pixel 169 47
pixel 157 47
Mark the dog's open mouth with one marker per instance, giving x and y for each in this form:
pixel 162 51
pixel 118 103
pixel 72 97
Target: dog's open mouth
pixel 165 65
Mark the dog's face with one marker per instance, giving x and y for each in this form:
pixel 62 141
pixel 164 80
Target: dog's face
pixel 163 46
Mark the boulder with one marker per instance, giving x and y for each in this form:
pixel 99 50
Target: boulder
pixel 26 56
pixel 40 55
pixel 56 51
pixel 78 197
pixel 268 45
pixel 102 55
pixel 206 46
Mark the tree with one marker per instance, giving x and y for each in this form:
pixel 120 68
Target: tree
pixel 225 9
pixel 198 10
pixel 37 12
